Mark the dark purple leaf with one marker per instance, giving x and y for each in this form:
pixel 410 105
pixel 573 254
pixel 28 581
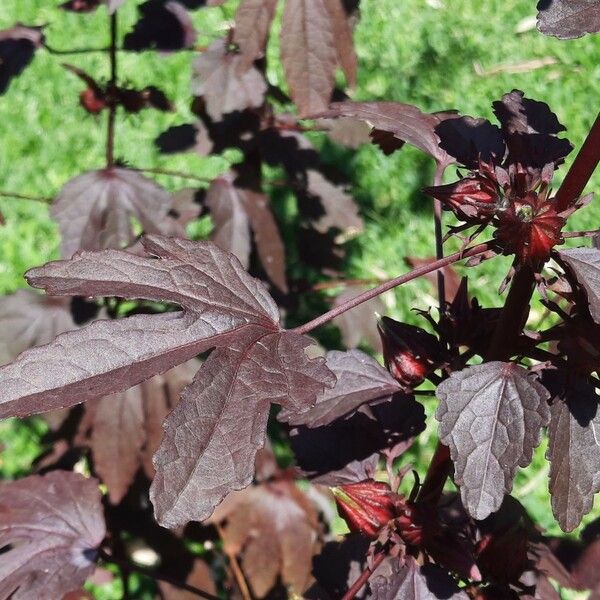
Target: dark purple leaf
pixel 232 227
pixel 201 577
pixel 275 529
pixel 234 212
pixel 585 265
pixel 348 132
pixel 360 380
pixel 50 528
pixel 406 122
pixel 212 436
pixel 574 452
pixel 126 428
pixel 17 47
pixel 185 138
pixel 468 139
pixel 338 566
pixel 218 80
pixel 29 319
pixel 163 26
pixel 94 210
pixel 347 448
pixel 308 54
pixel 530 130
pixel 251 31
pixel 408 581
pixel 567 19
pixel 218 296
pixel 359 324
pixel 342 37
pixel 267 238
pixel 339 211
pixel 490 416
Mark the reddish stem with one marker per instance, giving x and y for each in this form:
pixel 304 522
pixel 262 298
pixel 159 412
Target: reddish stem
pixel 170 173
pixel 581 170
pixel 437 473
pixel 439 240
pixel 358 584
pixel 24 197
pixel 392 283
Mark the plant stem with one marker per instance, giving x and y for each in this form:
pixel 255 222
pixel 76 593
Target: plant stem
pixel 112 108
pixel 578 234
pixel 327 285
pixel 581 170
pixel 131 566
pixel 24 197
pixel 439 240
pixel 358 584
pixel 182 174
pixel 392 283
pixel 437 473
pixel 236 570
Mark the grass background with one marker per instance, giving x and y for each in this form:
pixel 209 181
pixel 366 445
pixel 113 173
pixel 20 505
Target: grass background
pixel 437 54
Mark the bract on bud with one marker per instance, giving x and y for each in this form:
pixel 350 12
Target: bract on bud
pixel 410 353
pixel 472 199
pixel 366 506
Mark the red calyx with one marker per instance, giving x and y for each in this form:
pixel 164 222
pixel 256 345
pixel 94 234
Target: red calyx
pixel 366 506
pixel 410 353
pixel 530 227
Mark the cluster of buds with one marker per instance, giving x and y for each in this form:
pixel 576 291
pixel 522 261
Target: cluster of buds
pixel 515 201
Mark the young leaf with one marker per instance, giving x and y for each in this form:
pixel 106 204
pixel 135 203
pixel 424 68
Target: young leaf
pixel 94 210
pixel 212 436
pixel 585 265
pixel 275 528
pixel 574 452
pixel 126 428
pixel 50 528
pixel 29 319
pixel 308 54
pixel 251 31
pixel 360 380
pixel 218 80
pixel 404 121
pixel 567 19
pixel 17 47
pixel 490 416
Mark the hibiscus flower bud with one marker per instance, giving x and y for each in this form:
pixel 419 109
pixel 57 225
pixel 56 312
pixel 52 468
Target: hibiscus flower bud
pixel 530 227
pixel 410 353
pixel 366 506
pixel 472 199
pixel 92 103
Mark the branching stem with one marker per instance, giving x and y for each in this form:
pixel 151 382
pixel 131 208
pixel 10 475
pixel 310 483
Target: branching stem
pixel 358 584
pixel 439 239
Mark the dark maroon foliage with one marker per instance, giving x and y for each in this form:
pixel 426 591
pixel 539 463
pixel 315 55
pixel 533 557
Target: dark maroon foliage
pixel 256 443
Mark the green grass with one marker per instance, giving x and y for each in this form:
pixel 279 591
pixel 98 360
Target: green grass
pixel 426 52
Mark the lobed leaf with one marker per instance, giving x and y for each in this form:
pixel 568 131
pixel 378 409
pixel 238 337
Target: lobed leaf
pixel 50 528
pixel 212 437
pixel 95 210
pixel 490 416
pixel 17 48
pixel 275 529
